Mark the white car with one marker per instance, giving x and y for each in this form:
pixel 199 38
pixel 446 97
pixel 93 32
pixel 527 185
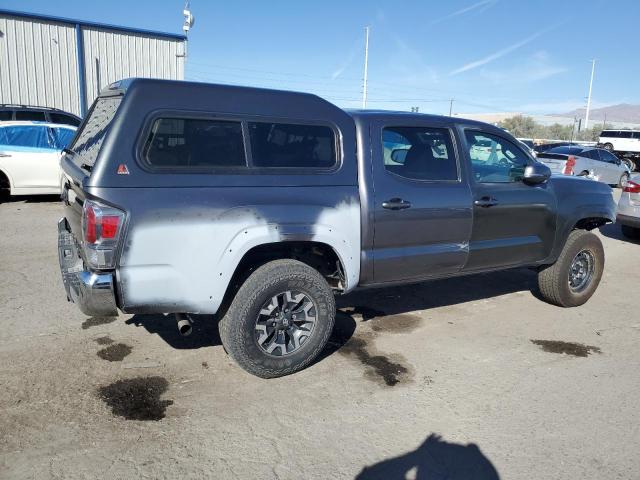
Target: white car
pixel 589 162
pixel 629 209
pixel 621 140
pixel 30 157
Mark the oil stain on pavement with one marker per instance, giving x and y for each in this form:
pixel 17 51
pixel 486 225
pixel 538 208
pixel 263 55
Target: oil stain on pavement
pixel 570 348
pixel 137 398
pixel 386 369
pixel 115 352
pixel 103 340
pixel 95 321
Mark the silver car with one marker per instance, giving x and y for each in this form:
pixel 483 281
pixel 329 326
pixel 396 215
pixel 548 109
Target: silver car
pixel 629 209
pixel 595 163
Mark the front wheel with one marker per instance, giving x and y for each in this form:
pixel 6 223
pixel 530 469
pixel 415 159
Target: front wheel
pixel 608 146
pixel 280 319
pixel 575 276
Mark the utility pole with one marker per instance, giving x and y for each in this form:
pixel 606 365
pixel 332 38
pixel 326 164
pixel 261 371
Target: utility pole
pixel 586 117
pixel 450 106
pixel 366 66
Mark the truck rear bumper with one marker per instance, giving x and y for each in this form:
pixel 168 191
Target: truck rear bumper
pixel 94 293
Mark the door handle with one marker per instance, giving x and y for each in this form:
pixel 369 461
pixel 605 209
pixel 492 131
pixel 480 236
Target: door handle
pixel 486 202
pixel 2 154
pixel 396 204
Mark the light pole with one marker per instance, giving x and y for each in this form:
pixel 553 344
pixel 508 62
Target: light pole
pixel 586 117
pixel 366 66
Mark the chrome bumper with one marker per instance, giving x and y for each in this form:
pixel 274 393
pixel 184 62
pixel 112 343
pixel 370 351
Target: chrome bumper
pixel 93 292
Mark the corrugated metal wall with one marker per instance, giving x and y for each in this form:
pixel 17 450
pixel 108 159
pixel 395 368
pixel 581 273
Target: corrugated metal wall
pixel 38 61
pixel 110 56
pixel 38 64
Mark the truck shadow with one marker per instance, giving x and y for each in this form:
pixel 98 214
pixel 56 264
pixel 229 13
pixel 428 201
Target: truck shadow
pixel 371 303
pixel 379 303
pixel 612 230
pixel 435 459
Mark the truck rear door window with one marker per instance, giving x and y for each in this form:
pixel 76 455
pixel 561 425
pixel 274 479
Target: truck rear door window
pixel 280 145
pixel 194 143
pixel 419 153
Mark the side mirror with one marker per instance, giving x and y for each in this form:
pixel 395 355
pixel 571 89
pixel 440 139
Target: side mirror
pixel 399 155
pixel 536 173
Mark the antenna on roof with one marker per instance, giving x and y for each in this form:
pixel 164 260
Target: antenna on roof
pixel 189 20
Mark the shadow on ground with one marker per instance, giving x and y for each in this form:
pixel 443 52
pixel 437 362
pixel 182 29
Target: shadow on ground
pixel 383 302
pixel 612 230
pixel 435 459
pixel 30 198
pixel 372 303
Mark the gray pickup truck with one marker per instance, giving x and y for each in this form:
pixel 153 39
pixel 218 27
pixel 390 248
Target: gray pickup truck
pixel 260 205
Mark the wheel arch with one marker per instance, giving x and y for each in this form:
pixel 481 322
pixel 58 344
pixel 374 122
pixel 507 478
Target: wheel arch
pixel 5 174
pixel 320 256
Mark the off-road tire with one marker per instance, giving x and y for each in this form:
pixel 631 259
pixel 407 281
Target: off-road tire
pixel 630 232
pixel 237 327
pixel 553 280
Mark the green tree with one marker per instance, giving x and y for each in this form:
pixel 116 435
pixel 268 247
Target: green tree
pixel 519 126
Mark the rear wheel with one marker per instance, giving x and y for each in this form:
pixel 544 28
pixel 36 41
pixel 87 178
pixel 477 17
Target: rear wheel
pixel 630 232
pixel 608 146
pixel 624 178
pixel 573 279
pixel 280 319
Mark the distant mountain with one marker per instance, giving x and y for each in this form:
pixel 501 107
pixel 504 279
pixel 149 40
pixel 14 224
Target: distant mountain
pixel 623 112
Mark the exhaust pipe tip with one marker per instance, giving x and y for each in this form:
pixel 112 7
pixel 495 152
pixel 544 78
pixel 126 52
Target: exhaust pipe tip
pixel 185 325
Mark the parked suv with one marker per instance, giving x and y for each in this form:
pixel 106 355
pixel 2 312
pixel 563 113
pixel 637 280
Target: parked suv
pixel 37 114
pixel 260 205
pixel 620 140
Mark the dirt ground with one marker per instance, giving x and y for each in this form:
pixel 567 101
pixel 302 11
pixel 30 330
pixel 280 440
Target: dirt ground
pixel 468 378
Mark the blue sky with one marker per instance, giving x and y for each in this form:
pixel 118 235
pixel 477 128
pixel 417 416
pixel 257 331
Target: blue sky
pixel 489 55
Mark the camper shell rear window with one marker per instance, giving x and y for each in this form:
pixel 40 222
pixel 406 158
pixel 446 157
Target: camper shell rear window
pixel 88 141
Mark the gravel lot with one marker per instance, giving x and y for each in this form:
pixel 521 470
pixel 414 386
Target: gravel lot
pixel 458 379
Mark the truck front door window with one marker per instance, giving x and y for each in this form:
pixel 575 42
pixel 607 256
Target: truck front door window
pixel 494 159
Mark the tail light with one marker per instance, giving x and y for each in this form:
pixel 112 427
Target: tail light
pixel 568 167
pixel 101 230
pixel 632 187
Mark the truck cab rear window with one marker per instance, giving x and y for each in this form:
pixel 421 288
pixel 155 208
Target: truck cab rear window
pixel 280 145
pixel 195 143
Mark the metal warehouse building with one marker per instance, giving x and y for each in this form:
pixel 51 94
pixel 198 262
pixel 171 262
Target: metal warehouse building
pixel 62 63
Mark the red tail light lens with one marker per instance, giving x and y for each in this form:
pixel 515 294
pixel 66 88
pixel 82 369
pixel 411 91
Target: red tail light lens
pixel 90 225
pixel 110 224
pixel 568 167
pixel 101 230
pixel 632 187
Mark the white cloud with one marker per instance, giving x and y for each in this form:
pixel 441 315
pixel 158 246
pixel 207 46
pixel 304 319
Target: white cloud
pixel 535 68
pixel 499 53
pixel 480 6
